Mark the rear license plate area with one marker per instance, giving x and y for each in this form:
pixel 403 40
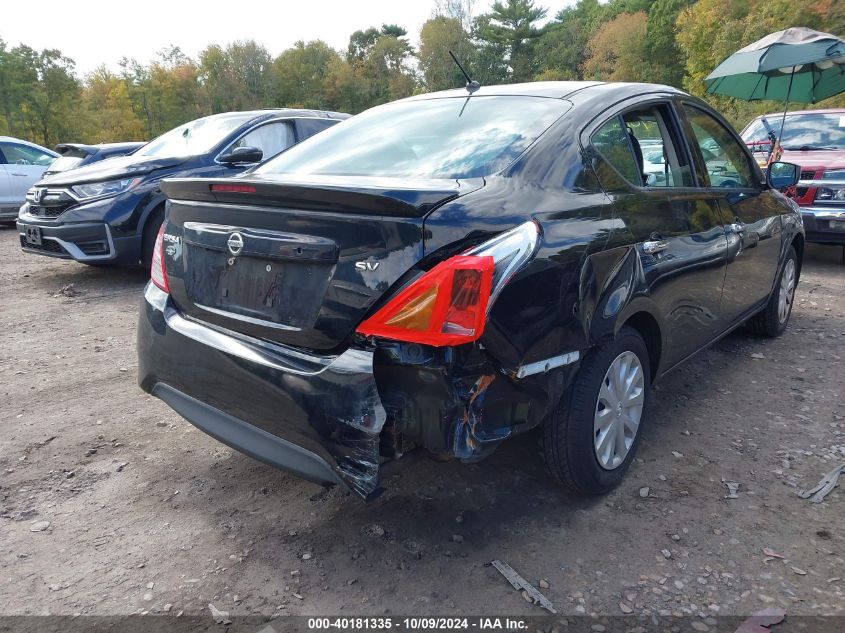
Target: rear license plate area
pixel 837 225
pixel 281 292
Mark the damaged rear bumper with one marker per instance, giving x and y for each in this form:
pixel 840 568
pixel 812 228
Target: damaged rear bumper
pixel 318 417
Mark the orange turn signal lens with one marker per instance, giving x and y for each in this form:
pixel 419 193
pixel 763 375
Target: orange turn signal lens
pixel 445 306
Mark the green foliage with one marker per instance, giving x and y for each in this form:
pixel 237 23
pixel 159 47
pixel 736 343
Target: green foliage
pixel 675 42
pixel 617 50
pixel 438 36
pixel 510 32
pixel 300 72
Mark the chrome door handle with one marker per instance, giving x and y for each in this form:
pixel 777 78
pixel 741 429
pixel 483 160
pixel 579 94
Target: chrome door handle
pixel 655 246
pixel 737 227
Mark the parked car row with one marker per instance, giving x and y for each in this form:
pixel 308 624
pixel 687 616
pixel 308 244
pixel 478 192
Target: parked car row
pixel 22 164
pixel 109 212
pixel 815 140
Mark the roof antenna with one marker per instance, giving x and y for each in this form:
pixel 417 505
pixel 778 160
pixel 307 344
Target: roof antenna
pixel 471 84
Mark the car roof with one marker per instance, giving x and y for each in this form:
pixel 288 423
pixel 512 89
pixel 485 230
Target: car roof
pixel 11 139
pixel 94 147
pixel 281 112
pixel 549 89
pixel 789 113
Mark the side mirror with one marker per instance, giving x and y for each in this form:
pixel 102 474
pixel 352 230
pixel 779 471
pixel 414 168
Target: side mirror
pixel 782 175
pixel 241 155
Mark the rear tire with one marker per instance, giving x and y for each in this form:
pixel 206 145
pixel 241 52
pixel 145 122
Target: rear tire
pixel 576 435
pixel 772 320
pixel 148 240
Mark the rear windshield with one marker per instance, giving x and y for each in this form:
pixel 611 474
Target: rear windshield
pixel 194 138
pixel 435 138
pixel 812 131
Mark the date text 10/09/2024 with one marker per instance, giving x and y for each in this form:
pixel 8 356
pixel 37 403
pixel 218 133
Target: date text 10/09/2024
pixel 417 623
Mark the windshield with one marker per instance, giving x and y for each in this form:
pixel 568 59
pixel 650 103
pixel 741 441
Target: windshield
pixel 194 138
pixel 802 131
pixel 437 138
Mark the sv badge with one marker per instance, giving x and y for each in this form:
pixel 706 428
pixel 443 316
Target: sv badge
pixel 366 265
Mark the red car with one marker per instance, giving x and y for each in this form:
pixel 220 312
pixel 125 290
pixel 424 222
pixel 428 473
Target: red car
pixel 815 140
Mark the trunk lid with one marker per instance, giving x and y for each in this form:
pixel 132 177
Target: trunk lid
pixel 296 261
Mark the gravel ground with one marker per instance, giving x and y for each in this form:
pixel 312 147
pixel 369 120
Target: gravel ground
pixel 112 504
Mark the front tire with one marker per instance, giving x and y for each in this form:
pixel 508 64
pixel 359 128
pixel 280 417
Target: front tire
pixel 772 320
pixel 148 239
pixel 591 438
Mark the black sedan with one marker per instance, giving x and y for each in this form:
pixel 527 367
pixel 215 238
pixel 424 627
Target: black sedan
pixel 453 269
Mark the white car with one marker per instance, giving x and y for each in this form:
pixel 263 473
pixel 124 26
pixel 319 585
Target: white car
pixel 21 166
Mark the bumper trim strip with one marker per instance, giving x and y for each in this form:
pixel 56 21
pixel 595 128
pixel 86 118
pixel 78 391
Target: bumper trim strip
pixel 542 366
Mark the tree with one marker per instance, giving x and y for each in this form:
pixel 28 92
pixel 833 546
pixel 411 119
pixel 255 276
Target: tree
pixel 510 28
pixel 617 50
pixel 666 59
pixel 377 64
pixel 44 91
pixel 299 74
pixel 562 48
pixel 438 36
pixel 108 109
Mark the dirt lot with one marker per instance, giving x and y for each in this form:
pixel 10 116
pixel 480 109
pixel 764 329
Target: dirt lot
pixel 145 511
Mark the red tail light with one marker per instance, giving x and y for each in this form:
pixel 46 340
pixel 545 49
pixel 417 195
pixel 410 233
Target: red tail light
pixel 233 188
pixel 158 274
pixel 445 306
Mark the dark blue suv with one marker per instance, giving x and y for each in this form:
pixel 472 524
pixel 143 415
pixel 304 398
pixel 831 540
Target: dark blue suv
pixel 110 212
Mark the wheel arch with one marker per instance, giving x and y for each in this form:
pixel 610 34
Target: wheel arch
pixel 798 244
pixel 154 209
pixel 648 327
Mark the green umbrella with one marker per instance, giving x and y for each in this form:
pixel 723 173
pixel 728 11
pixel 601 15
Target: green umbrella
pixel 796 64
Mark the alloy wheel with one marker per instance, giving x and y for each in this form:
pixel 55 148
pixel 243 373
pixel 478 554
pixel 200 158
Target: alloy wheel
pixel 787 291
pixel 619 409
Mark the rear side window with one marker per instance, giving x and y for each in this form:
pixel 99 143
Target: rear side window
pixel 611 141
pixel 453 137
pixel 724 158
pixel 271 138
pixel 642 144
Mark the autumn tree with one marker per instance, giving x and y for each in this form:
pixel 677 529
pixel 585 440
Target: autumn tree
pixel 562 48
pixel 108 109
pixel 616 51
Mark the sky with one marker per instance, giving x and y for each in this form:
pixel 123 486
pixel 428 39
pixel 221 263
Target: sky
pixel 95 32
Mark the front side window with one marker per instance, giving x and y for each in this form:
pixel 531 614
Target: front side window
pixel 457 137
pixel 270 139
pixel 25 155
pixel 724 158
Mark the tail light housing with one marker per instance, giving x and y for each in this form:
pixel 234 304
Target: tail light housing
pixel 158 273
pixel 449 304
